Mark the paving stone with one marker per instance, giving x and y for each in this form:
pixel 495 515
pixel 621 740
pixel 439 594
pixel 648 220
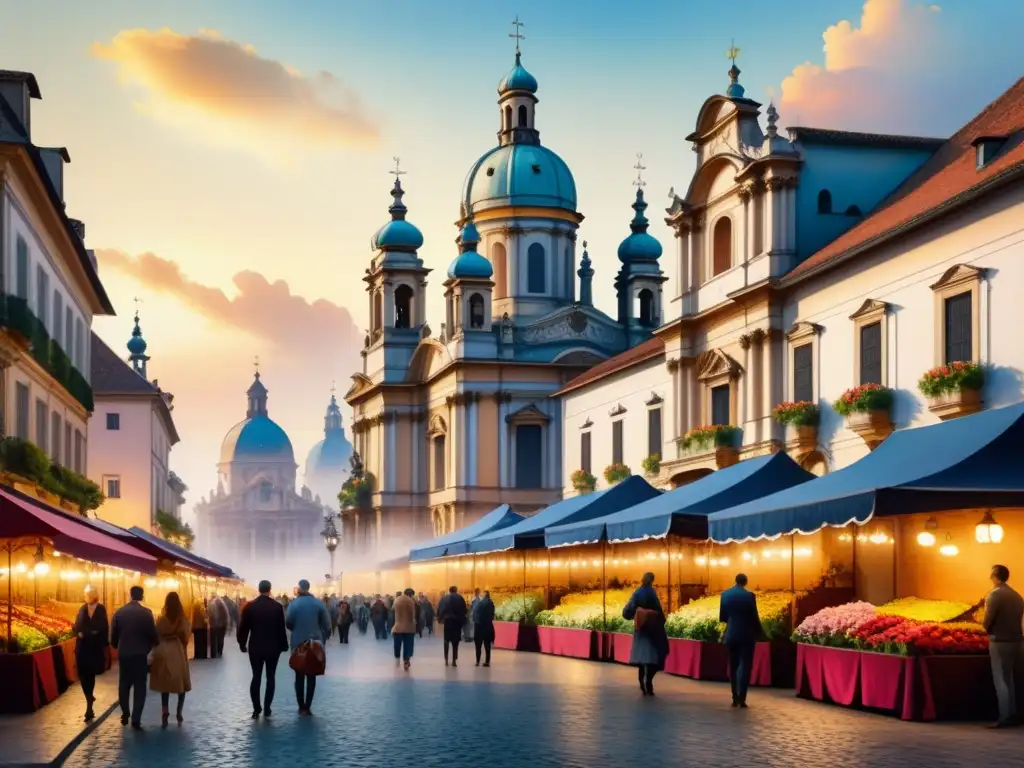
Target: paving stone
pixel 527 709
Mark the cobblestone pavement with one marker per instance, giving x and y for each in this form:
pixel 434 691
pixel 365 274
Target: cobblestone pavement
pixel 527 709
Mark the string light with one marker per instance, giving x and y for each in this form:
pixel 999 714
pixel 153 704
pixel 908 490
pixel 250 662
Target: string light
pixel 747 556
pixel 724 561
pixel 701 560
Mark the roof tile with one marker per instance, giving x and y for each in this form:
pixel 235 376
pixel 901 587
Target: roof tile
pixel 638 354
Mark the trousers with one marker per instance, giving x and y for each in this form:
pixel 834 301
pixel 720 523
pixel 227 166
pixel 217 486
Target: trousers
pixel 741 664
pixel 305 687
pixel 259 662
pixel 1005 658
pixel 132 672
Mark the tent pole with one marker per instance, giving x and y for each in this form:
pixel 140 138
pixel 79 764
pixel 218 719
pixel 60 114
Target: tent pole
pixel 668 551
pixel 604 583
pixel 10 598
pixel 792 579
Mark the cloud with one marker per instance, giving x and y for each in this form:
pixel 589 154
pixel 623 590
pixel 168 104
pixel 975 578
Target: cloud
pixel 211 77
pixel 297 328
pixel 887 74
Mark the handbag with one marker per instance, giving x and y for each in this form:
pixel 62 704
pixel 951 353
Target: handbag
pixel 643 615
pixel 309 659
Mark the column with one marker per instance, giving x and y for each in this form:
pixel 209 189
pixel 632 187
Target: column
pixel 389 305
pixel 749 206
pixel 695 255
pixel 554 458
pixel 770 214
pixel 557 275
pixel 747 241
pixel 693 400
pixel 503 441
pixel 683 256
pixel 472 415
pixel 768 377
pixel 392 439
pixel 791 216
pixel 415 437
pixel 378 433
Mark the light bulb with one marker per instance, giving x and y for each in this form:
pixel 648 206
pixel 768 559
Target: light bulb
pixel 949 550
pixel 768 554
pixel 701 560
pixel 747 556
pixel 41 569
pixel 723 561
pixel 714 562
pixel 926 539
pixel 803 552
pixel 20 568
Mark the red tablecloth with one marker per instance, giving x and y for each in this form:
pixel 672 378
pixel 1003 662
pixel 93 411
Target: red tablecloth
pixel 616 646
pixel 575 643
pixel 914 688
pixel 506 635
pixel 29 681
pixel 710 661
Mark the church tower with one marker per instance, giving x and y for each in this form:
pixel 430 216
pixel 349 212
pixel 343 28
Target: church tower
pixel 468 298
pixel 638 283
pixel 396 284
pixel 137 349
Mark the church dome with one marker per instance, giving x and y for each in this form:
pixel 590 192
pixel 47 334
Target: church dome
pixel 331 455
pixel 136 344
pixel 518 79
pixel 397 234
pixel 519 175
pixel 640 245
pixel 469 263
pixel 257 439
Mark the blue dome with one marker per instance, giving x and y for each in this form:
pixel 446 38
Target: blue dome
pixel 397 234
pixel 137 345
pixel 518 79
pixel 258 438
pixel 470 264
pixel 521 175
pixel 640 245
pixel 330 456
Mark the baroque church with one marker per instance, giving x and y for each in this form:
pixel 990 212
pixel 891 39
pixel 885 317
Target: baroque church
pixel 258 514
pixel 456 419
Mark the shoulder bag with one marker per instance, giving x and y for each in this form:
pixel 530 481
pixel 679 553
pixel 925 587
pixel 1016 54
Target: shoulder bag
pixel 309 659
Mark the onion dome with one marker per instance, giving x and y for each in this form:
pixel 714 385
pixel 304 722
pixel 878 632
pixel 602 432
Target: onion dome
pixel 136 344
pixel 518 79
pixel 639 246
pixel 258 437
pixel 398 234
pixel 735 90
pixel 469 263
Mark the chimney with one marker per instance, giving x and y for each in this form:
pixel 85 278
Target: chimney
pixel 54 160
pixel 17 89
pixel 79 226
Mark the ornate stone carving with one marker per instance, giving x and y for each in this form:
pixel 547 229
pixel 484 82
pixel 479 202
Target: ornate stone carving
pixel 746 192
pixel 618 410
pixel 655 399
pixel 775 182
pixel 672 364
pixel 587 424
pixel 560 327
pixel 753 337
pixel 714 363
pixel 502 396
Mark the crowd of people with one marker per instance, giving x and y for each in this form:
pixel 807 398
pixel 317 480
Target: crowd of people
pixel 157 648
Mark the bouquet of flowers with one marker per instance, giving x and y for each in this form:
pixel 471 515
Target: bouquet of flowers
pixel 711 436
pixel 953 377
pixel 616 473
pixel 589 610
pixel 895 634
pixel 801 414
pixel 582 481
pixel 698 620
pixel 522 609
pixel 832 626
pixel 862 399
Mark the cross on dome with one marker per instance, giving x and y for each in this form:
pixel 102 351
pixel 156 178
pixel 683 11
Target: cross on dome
pixel 640 168
pixel 398 168
pixel 516 34
pixel 256 365
pixel 733 53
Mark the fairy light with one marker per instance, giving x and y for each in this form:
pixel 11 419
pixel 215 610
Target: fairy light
pixel 723 561
pixel 768 554
pixel 949 550
pixel 556 563
pixel 802 552
pixel 41 569
pixel 595 563
pixel 747 556
pixel 714 562
pixel 701 560
pixel 663 555
pixel 149 583
pixel 878 538
pixel 20 568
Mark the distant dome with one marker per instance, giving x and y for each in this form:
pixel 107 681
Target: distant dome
pixel 518 79
pixel 330 455
pixel 519 175
pixel 469 263
pixel 137 345
pixel 397 234
pixel 258 438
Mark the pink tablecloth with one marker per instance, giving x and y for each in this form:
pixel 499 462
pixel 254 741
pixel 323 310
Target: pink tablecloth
pixel 506 635
pixel 575 643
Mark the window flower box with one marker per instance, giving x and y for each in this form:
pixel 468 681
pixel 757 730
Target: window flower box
pixel 867 410
pixel 616 473
pixel 953 390
pixel 724 439
pixel 802 418
pixel 582 481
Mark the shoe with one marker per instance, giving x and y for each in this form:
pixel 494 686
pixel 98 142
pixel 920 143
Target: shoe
pixel 743 705
pixel 643 689
pixel 89 715
pixel 407 664
pixel 302 711
pixel 179 718
pixel 137 726
pixel 487 663
pixel 735 703
pixel 446 662
pixel 999 724
pixel 164 717
pixel 256 714
pixel 267 713
pixel 478 663
pixel 124 719
pixel 455 663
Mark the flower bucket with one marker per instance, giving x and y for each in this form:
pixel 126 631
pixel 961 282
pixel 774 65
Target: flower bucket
pixel 806 439
pixel 872 426
pixel 951 405
pixel 726 456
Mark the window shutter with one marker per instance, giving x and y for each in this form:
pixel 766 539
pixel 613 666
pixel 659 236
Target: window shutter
pixel 617 442
pixel 958 328
pixel 803 373
pixel 871 354
pixel 585 452
pixel 720 411
pixel 654 432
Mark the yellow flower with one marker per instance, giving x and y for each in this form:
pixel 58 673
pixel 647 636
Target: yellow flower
pixel 921 609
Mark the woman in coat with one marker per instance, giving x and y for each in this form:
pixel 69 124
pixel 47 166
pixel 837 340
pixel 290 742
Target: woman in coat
pixel 200 630
pixel 345 620
pixel 650 643
pixel 93 636
pixel 168 670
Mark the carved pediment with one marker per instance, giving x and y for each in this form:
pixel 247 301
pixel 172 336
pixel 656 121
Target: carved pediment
pixel 587 424
pixel 715 363
pixel 618 410
pixel 572 324
pixel 655 399
pixel 870 308
pixel 529 414
pixel 802 330
pixel 360 384
pixel 958 274
pixel 437 425
pixel 429 358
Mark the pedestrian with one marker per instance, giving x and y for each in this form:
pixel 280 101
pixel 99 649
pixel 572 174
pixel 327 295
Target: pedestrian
pixel 333 611
pixel 345 620
pixel 452 613
pixel 390 622
pixel 738 612
pixel 427 611
pixel 200 631
pixel 404 629
pixel 310 627
pixel 261 631
pixel 483 628
pixel 168 664
pixel 362 615
pixel 467 630
pixel 93 635
pixel 379 617
pixel 219 620
pixel 650 643
pixel 133 635
pixel 233 613
pixel 1004 614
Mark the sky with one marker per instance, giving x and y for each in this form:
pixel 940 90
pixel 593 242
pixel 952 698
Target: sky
pixel 231 160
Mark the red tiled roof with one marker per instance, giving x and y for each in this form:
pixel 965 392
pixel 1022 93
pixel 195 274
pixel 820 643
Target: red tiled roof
pixel 943 181
pixel 638 354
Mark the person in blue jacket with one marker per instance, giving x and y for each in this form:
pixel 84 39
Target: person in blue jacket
pixel 743 629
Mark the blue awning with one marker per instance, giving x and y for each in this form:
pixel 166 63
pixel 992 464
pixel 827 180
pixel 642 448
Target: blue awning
pixel 973 461
pixel 684 511
pixel 530 532
pixel 456 543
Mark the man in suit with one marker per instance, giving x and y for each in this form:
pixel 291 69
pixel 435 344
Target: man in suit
pixel 743 629
pixel 220 618
pixel 133 634
pixel 1004 614
pixel 261 628
pixel 452 613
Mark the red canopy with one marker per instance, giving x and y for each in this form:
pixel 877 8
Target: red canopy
pixel 21 518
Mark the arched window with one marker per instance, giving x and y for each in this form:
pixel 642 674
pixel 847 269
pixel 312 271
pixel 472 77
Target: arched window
pixel 522 116
pixel 499 260
pixel 378 311
pixel 536 279
pixel 476 311
pixel 853 210
pixel 508 118
pixel 646 299
pixel 722 258
pixel 824 201
pixel 403 306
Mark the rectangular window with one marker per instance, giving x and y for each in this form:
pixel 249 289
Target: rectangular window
pixel 654 432
pixel 617 442
pixel 21 406
pixel 529 456
pixel 439 455
pixel 871 354
pixel 720 411
pixel 585 452
pixel 69 330
pixel 21 269
pixel 67 444
pixel 958 328
pixel 58 319
pixel 113 487
pixel 42 294
pixel 803 373
pixel 41 424
pixel 55 435
pixel 79 450
pixel 113 421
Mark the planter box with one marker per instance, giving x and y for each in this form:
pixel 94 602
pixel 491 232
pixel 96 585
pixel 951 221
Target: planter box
pixel 710 661
pixel 805 440
pixel 950 405
pixel 921 688
pixel 573 643
pixel 726 457
pixel 510 636
pixel 616 646
pixel 872 426
pixel 30 681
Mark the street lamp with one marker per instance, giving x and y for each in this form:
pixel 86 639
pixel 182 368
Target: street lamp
pixel 331 540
